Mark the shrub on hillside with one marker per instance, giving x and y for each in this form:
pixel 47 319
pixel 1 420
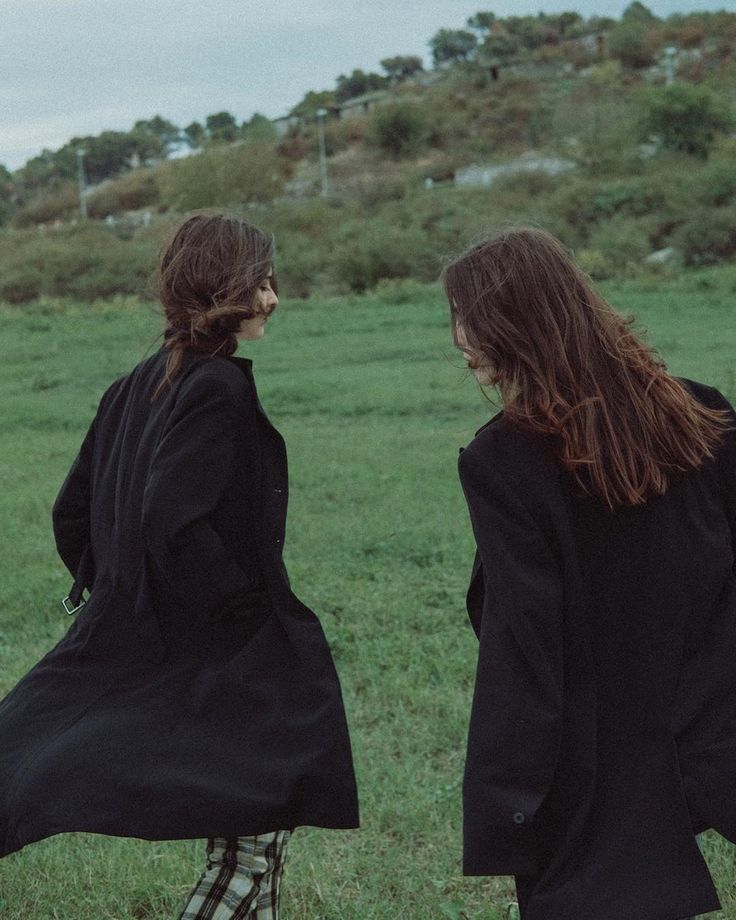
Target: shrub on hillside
pixel 400 130
pixel 301 267
pixel 294 147
pixel 366 253
pixel 20 283
pixel 515 116
pixel 191 183
pixel 716 184
pixel 594 121
pixel 584 203
pixel 60 203
pixel 623 241
pixel 440 168
pixel 708 237
pixel 684 117
pixel 132 191
pixel 88 261
pixel 631 42
pixel 595 264
pixel 222 177
pixel 7 196
pixel 520 187
pixel 635 196
pixel 304 231
pixel 359 178
pixel 339 135
pixel 573 203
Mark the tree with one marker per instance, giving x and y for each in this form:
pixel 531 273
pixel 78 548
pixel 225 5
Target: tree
pixel 195 134
pixel 562 25
pixel 569 22
pixel 629 42
pixel 482 22
pixel 685 31
pixel 357 84
pixel 600 23
pixel 637 12
pixel 450 45
pixel 402 66
pixel 500 48
pixel 107 154
pixel 44 169
pixel 165 131
pixel 8 195
pixel 530 30
pixel 313 100
pixel 258 130
pixel 221 126
pixel 685 117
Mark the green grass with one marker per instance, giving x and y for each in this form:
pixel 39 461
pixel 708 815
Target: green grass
pixel 374 405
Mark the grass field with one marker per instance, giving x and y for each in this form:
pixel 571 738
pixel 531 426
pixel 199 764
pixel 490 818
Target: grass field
pixel 374 405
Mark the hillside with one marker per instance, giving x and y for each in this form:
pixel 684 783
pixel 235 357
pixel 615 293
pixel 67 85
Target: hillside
pixel 616 136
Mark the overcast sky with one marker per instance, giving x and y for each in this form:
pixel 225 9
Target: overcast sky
pixel 75 67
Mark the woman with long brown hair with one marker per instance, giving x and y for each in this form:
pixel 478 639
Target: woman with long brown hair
pixel 194 695
pixel 603 502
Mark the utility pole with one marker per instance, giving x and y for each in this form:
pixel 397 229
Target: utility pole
pixel 669 56
pixel 321 115
pixel 82 183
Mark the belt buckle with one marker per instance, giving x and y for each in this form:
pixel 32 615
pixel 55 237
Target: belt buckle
pixel 69 607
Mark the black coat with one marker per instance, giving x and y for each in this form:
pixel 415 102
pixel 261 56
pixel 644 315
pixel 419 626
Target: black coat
pixel 194 695
pixel 603 726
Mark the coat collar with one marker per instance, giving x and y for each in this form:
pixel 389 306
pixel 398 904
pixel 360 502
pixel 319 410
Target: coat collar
pixel 496 418
pixel 245 364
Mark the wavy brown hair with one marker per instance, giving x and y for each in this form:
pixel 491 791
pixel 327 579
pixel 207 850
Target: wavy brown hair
pixel 570 368
pixel 208 276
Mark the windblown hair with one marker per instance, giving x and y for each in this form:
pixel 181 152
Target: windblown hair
pixel 208 276
pixel 570 368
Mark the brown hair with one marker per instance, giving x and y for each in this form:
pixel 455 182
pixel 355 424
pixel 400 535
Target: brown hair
pixel 208 275
pixel 569 367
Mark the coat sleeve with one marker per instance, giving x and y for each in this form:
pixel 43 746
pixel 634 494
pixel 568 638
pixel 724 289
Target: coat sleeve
pixel 209 437
pixel 727 468
pixel 71 515
pixel 516 717
pixel 726 454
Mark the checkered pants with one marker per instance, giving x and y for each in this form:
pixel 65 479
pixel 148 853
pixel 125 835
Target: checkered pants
pixel 242 879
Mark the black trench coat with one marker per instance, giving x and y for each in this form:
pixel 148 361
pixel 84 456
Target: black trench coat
pixel 194 695
pixel 603 725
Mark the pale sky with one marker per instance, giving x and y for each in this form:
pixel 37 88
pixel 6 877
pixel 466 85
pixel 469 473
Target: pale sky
pixel 75 67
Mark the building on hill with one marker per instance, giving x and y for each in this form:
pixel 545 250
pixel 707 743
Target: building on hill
pixel 475 175
pixel 357 107
pixel 362 105
pixel 287 124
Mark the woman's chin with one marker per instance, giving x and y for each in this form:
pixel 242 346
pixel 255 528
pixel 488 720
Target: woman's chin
pixel 251 334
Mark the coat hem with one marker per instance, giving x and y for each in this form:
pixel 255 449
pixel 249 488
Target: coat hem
pixel 195 834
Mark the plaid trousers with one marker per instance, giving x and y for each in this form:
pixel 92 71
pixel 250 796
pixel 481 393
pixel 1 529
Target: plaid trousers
pixel 242 879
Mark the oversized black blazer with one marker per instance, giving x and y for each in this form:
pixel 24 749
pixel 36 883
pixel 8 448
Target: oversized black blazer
pixel 194 695
pixel 603 726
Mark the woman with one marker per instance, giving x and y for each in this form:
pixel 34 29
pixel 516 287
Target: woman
pixel 603 502
pixel 194 695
